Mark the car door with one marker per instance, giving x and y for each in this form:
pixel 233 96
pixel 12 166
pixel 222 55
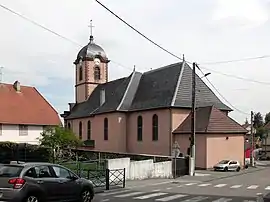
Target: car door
pixel 233 165
pixel 67 182
pixel 43 179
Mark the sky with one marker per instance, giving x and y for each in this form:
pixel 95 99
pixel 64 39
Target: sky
pixel 205 32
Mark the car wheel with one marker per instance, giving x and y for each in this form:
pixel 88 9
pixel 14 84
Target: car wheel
pixel 238 169
pixel 86 196
pixel 226 169
pixel 32 198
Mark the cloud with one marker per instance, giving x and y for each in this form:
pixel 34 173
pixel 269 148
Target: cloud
pixel 240 13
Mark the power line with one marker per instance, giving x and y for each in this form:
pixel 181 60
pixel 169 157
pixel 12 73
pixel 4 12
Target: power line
pixel 53 32
pixel 167 51
pixel 236 60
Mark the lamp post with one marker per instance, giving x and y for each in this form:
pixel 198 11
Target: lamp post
pixel 192 159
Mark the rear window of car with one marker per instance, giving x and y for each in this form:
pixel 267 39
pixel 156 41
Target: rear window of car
pixel 10 171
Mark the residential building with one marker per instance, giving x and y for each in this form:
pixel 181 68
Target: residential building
pixel 137 113
pixel 24 113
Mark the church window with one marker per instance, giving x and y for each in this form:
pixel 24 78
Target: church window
pixel 106 129
pixel 80 73
pixel 139 128
pixel 80 130
pixel 97 73
pixel 155 128
pixel 89 130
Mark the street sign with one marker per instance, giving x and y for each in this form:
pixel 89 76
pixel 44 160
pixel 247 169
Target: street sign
pixel 175 149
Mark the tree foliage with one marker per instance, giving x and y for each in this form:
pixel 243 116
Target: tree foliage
pixel 258 120
pixel 267 118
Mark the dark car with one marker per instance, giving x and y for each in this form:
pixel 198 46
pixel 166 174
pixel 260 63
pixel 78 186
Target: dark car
pixel 42 182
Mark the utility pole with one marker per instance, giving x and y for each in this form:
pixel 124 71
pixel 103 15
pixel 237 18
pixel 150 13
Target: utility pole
pixel 193 122
pixel 252 140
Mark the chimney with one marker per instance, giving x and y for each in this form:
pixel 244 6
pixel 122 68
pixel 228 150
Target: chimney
pixel 17 86
pixel 102 96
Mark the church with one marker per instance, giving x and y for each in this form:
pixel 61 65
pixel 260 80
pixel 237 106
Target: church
pixel 143 112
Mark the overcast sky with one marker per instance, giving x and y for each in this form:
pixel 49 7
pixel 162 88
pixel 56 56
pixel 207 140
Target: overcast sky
pixel 205 31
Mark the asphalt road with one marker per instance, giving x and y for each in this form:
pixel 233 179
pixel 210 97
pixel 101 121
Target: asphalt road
pixel 163 196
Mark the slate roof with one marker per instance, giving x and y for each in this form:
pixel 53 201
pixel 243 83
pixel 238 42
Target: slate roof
pixel 210 120
pixel 25 107
pixel 165 87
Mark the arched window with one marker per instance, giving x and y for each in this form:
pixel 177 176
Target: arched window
pixel 155 128
pixel 69 126
pixel 80 73
pixel 139 128
pixel 89 130
pixel 106 129
pixel 80 130
pixel 97 73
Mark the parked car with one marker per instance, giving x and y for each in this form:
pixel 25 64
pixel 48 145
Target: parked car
pixel 42 182
pixel 227 165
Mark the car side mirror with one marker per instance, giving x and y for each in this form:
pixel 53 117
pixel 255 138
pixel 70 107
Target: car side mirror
pixel 73 178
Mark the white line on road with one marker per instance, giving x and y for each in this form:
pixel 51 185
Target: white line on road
pixel 180 186
pixel 267 188
pixel 252 187
pixel 130 194
pixel 103 200
pixel 153 184
pixel 189 184
pixel 220 185
pixel 169 188
pixel 169 198
pixel 196 199
pixel 236 186
pixel 150 195
pixel 156 190
pixel 222 200
pixel 204 185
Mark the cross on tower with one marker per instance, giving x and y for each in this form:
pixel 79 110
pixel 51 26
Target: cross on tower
pixel 91 31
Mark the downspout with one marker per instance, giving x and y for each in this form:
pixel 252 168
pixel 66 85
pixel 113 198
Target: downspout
pixel 170 131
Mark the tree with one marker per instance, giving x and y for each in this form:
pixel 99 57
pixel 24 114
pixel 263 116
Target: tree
pixel 60 140
pixel 258 120
pixel 267 118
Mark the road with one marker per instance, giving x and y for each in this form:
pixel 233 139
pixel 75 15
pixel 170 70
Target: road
pixel 163 196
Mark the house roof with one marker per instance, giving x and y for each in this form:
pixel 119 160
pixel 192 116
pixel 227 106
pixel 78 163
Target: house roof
pixel 210 120
pixel 165 87
pixel 26 106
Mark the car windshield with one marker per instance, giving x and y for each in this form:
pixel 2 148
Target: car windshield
pixel 10 171
pixel 223 162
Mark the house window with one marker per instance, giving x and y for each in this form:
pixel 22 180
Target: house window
pixel 155 128
pixel 106 129
pixel 80 73
pixel 69 126
pixel 80 130
pixel 89 130
pixel 97 73
pixel 23 130
pixel 1 129
pixel 139 128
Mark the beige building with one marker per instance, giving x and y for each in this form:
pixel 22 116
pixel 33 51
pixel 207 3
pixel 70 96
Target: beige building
pixel 137 113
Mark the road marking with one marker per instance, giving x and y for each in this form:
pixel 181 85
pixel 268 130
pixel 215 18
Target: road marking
pixel 156 190
pixel 252 187
pixel 189 184
pixel 220 185
pixel 169 188
pixel 103 200
pixel 116 192
pixel 196 199
pixel 267 188
pixel 236 186
pixel 222 200
pixel 150 196
pixel 204 185
pixel 130 194
pixel 169 198
pixel 153 184
pixel 180 186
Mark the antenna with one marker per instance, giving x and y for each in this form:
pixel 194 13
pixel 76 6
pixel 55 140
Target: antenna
pixel 1 74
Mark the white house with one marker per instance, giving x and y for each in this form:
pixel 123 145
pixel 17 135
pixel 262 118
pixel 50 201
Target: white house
pixel 24 113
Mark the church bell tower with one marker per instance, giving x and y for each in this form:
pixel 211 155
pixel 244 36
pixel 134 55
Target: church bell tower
pixel 91 69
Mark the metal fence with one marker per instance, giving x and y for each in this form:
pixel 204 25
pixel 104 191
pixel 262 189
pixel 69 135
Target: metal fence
pixel 180 166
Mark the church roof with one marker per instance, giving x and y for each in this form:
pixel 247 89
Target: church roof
pixel 165 87
pixel 210 120
pixel 25 105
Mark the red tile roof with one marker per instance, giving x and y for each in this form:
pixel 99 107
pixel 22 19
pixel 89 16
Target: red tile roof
pixel 27 106
pixel 211 120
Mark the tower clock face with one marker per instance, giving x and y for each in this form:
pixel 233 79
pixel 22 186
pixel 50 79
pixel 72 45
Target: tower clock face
pixel 97 61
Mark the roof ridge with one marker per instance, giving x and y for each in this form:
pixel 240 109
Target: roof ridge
pixel 161 68
pixel 178 83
